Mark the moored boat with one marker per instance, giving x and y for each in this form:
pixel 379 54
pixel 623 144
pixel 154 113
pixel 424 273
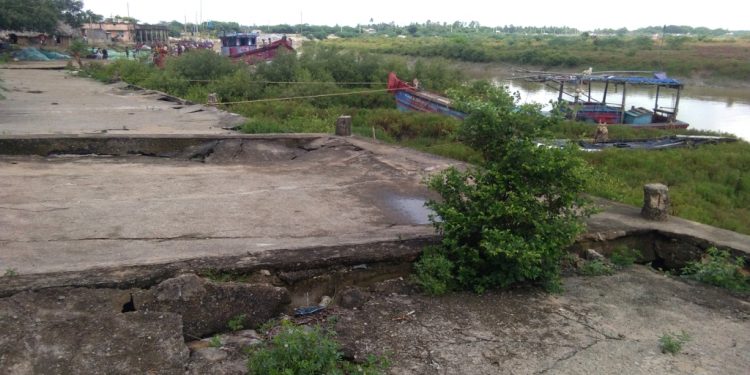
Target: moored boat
pixel 583 107
pixel 250 48
pixel 412 98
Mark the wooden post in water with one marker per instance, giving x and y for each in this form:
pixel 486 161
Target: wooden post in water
pixel 344 126
pixel 559 95
pixel 624 93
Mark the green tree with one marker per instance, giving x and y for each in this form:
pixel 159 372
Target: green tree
pixel 511 218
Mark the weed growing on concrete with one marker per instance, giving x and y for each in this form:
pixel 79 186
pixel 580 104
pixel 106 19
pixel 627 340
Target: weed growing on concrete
pixel 215 342
pixel 623 257
pixel 237 323
pixel 10 272
pixel 596 268
pixel 719 268
pixel 672 343
pixel 307 350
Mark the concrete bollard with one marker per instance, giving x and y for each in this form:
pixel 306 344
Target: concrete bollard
pixel 344 126
pixel 655 202
pixel 213 99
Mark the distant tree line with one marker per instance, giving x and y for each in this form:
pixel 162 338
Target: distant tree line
pixel 42 15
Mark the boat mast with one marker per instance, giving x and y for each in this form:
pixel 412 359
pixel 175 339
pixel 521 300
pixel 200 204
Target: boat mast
pixel 656 103
pixel 606 87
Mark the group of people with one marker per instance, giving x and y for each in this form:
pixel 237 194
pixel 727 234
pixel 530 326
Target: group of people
pixel 99 53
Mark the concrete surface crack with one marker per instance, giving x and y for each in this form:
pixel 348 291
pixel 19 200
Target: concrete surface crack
pixel 568 356
pixel 587 325
pixel 50 209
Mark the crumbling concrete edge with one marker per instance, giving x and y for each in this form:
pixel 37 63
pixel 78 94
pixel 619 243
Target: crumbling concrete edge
pixel 145 276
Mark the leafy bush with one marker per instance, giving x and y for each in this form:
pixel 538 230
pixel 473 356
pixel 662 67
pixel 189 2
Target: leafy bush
pixel 434 272
pixel 306 350
pixel 510 219
pixel 237 323
pixel 718 268
pixel 672 343
pixel 624 256
pixel 596 268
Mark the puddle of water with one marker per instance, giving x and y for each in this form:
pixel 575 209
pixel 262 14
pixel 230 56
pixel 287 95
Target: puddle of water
pixel 412 209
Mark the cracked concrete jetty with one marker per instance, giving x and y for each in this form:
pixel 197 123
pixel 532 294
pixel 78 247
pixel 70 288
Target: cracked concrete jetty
pixel 93 213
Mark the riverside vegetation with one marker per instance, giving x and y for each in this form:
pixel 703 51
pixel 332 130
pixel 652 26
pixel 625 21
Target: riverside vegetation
pixel 711 186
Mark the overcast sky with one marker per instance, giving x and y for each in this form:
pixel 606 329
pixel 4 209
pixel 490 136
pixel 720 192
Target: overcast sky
pixel 581 14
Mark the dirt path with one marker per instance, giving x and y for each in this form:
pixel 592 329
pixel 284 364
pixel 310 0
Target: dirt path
pixel 53 102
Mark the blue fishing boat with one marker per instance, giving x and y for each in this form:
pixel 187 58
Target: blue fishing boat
pixel 583 107
pixel 412 98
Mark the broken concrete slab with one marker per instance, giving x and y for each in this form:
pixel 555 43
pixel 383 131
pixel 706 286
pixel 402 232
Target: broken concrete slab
pixel 207 307
pixel 66 331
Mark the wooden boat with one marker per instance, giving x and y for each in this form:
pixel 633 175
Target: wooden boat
pixel 585 108
pixel 412 98
pixel 675 141
pixel 245 47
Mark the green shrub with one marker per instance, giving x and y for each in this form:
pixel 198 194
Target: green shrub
pixel 623 256
pixel 215 341
pixel 509 219
pixel 306 350
pixel 237 323
pixel 434 272
pixel 672 343
pixel 596 268
pixel 719 269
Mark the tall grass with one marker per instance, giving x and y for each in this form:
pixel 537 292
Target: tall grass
pixel 716 58
pixel 709 184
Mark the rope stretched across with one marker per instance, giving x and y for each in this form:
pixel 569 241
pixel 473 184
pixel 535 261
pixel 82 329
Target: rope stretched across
pixel 306 97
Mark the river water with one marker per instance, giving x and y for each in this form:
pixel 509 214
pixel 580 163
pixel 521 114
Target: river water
pixel 704 108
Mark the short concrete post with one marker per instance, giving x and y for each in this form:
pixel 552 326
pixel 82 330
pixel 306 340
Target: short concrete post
pixel 344 126
pixel 213 99
pixel 655 202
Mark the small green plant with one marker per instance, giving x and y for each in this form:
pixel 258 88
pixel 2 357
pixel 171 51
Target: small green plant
pixel 237 323
pixel 307 350
pixel 10 272
pixel 215 342
pixel 624 257
pixel 433 272
pixel 596 268
pixel 672 343
pixel 719 268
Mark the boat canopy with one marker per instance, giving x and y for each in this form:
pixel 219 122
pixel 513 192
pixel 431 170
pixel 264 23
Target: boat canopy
pixel 667 82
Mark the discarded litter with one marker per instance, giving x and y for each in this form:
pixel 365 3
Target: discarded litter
pixel 308 310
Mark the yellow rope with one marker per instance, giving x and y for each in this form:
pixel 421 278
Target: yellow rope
pixel 306 97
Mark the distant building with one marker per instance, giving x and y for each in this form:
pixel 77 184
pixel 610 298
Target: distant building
pixel 124 32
